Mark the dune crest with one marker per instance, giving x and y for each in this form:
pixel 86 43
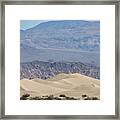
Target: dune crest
pixel 74 85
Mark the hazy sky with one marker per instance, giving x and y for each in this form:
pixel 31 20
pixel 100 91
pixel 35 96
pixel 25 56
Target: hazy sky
pixel 26 24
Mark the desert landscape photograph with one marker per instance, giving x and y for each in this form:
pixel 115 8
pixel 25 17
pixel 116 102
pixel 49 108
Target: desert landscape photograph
pixel 59 60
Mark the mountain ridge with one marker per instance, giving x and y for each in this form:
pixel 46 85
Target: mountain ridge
pixel 63 34
pixel 62 40
pixel 48 69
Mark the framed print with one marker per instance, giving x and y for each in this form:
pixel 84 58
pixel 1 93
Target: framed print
pixel 60 59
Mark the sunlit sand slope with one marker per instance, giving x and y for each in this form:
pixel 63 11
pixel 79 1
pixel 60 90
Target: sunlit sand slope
pixel 73 85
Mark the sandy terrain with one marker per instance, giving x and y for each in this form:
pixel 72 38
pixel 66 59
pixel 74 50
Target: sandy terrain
pixel 73 85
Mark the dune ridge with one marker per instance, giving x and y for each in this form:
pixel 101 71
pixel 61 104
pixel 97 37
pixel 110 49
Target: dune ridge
pixel 73 85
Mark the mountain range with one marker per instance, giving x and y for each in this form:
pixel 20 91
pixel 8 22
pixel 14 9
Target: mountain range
pixel 45 70
pixel 62 40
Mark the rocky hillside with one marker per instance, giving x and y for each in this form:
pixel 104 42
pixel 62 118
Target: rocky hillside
pixel 64 34
pixel 44 70
pixel 62 40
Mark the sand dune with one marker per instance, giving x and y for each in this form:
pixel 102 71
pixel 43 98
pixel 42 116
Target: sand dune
pixel 73 85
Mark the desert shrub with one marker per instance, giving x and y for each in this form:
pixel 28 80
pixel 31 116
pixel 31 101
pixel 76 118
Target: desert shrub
pixel 84 95
pixel 87 98
pixel 69 98
pixel 24 97
pixel 62 95
pixel 50 97
pixel 94 98
pixel 72 98
pixel 57 98
pixel 35 98
pixel 45 96
pixel 91 98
